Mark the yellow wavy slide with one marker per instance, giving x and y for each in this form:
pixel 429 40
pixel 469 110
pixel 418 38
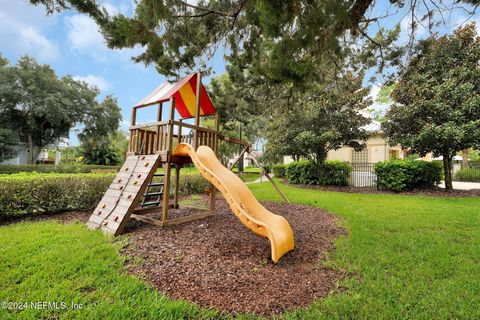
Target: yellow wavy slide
pixel 241 200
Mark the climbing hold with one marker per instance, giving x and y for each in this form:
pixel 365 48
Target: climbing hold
pixel 129 196
pixel 120 187
pixel 115 218
pixel 99 212
pixel 126 169
pixel 146 164
pixel 135 182
pixel 119 180
pixel 105 222
pixel 139 175
pixel 143 157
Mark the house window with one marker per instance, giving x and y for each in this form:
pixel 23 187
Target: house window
pixel 360 156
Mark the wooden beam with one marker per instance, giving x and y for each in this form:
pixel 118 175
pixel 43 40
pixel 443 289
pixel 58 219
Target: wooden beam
pixel 197 110
pixel 149 210
pixel 147 220
pixel 150 124
pixel 166 191
pixel 237 158
pixel 193 217
pixel 270 179
pixel 177 185
pixel 185 206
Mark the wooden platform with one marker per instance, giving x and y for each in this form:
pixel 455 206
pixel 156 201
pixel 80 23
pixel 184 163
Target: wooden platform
pixel 122 197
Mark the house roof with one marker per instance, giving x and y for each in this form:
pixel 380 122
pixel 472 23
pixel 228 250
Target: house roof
pixel 184 92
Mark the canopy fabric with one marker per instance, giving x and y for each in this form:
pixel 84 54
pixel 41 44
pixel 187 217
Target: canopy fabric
pixel 184 92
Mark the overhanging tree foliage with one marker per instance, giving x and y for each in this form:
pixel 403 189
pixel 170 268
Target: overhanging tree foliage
pixel 285 37
pixel 437 99
pixel 43 108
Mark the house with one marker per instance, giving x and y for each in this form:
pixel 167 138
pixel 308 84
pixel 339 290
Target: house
pixel 376 150
pixel 23 151
pixel 247 158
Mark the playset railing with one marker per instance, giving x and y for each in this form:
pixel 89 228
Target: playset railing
pixel 151 138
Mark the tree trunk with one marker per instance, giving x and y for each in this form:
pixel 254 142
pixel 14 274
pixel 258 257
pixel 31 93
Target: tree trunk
pixel 447 170
pixel 465 158
pixel 30 149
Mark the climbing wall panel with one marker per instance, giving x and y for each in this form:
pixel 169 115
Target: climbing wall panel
pixel 124 194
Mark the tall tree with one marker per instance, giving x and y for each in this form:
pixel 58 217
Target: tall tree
pixel 8 142
pixel 437 99
pixel 43 108
pixel 323 117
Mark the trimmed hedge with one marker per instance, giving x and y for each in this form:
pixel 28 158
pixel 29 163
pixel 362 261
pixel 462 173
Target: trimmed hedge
pixel 400 175
pixel 468 175
pixel 37 193
pixel 279 170
pixel 50 168
pixel 334 172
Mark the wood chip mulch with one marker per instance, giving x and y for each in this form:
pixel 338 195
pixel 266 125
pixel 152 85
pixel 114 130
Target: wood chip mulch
pixel 218 263
pixel 435 192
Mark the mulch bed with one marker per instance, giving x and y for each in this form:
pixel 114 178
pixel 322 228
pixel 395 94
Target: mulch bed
pixel 65 217
pixel 436 192
pixel 218 263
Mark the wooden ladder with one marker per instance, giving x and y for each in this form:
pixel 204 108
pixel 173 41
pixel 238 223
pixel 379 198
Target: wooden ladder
pixel 123 196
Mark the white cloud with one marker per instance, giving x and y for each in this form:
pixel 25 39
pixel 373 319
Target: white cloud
pixel 38 44
pixel 84 37
pixel 24 37
pixel 95 81
pixel 125 125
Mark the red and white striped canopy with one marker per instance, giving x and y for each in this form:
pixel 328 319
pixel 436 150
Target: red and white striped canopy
pixel 184 92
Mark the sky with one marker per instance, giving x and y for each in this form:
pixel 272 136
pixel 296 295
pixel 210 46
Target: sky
pixel 71 44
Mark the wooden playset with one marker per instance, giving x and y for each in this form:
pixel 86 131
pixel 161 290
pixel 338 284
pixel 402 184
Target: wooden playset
pixel 140 188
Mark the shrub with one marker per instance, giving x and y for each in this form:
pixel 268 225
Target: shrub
pixel 468 174
pixel 51 192
pixel 192 183
pixel 305 172
pixel 279 170
pixel 336 173
pixel 50 168
pixel 400 175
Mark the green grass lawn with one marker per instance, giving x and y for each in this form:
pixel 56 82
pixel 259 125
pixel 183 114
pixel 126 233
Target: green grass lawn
pixel 406 256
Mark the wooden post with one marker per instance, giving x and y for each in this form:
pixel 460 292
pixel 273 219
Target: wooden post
pixel 217 128
pixel 131 142
pixel 177 183
pixel 159 118
pixel 166 191
pixel 168 166
pixel 170 127
pixel 197 111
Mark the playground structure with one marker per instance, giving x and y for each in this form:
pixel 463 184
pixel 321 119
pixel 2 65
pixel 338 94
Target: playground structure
pixel 136 189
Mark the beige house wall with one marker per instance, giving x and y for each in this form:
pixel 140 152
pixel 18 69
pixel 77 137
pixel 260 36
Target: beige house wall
pixel 377 150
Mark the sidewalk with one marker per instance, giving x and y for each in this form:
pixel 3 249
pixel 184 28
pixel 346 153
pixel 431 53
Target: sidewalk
pixel 459 185
pixel 261 179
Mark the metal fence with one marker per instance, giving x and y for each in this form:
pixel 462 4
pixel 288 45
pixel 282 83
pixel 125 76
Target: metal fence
pixel 471 173
pixel 362 175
